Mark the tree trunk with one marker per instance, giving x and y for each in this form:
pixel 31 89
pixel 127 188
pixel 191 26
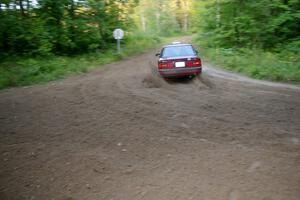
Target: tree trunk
pixel 158 22
pixel 21 8
pixel 218 14
pixel 186 16
pixel 143 22
pixel 28 5
pixel 15 5
pixel 185 22
pixel 72 16
pixel 7 6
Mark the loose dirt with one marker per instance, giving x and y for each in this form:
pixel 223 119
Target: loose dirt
pixel 121 132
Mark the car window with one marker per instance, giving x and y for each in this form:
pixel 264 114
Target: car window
pixel 178 51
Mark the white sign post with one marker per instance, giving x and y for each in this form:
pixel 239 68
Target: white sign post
pixel 118 35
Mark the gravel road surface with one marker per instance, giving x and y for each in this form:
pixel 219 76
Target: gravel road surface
pixel 121 132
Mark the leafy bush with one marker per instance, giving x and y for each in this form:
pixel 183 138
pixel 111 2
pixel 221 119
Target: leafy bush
pixel 19 71
pixel 140 42
pixel 257 63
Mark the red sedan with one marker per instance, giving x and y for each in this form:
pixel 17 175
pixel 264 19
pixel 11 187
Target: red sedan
pixel 178 59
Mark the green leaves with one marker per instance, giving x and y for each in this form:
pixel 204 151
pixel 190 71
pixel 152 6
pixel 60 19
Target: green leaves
pixel 257 38
pixel 268 24
pixel 63 27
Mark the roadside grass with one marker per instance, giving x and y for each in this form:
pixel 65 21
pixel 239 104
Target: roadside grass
pixel 256 63
pixel 20 71
pixel 30 71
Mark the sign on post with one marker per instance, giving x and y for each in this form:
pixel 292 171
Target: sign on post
pixel 118 35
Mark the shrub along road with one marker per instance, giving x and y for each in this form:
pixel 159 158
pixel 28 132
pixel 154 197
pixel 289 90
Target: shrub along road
pixel 123 133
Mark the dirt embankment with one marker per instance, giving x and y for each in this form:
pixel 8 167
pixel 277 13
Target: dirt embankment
pixel 123 133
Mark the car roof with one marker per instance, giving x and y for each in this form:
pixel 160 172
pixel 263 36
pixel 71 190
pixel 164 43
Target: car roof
pixel 176 45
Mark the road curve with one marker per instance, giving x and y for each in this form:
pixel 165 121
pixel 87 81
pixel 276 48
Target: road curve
pixel 221 73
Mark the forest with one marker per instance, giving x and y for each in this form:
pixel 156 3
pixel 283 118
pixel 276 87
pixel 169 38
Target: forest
pixel 42 40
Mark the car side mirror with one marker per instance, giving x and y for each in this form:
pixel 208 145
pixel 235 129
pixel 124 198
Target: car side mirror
pixel 197 52
pixel 157 54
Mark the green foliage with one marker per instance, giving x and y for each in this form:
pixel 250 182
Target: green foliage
pixel 51 39
pixel 20 71
pixel 140 42
pixel 264 24
pixel 236 30
pixel 36 70
pixel 70 27
pixel 257 38
pixel 164 17
pixel 64 27
pixel 257 63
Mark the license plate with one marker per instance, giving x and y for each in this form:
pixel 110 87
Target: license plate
pixel 180 64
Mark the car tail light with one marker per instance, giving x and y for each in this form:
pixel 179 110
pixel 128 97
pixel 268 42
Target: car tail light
pixel 165 64
pixel 194 62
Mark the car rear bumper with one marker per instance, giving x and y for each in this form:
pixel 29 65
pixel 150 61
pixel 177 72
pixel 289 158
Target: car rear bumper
pixel 180 71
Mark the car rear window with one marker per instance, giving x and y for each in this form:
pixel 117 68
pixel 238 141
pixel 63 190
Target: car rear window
pixel 178 51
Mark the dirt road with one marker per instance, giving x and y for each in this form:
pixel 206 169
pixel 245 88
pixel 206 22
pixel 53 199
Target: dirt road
pixel 123 133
